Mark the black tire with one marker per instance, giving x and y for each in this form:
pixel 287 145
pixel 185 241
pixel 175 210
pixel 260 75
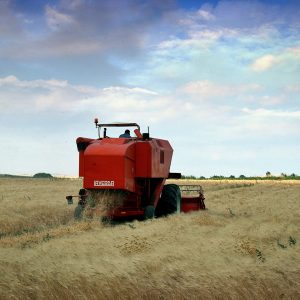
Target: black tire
pixel 149 212
pixel 78 212
pixel 170 200
pixel 82 192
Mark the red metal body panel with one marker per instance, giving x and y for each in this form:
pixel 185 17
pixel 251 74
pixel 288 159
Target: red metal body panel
pixel 153 158
pixel 116 163
pixel 109 164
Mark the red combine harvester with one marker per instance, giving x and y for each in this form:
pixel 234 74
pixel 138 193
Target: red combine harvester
pixel 130 173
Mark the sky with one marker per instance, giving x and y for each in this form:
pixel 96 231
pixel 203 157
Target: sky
pixel 219 79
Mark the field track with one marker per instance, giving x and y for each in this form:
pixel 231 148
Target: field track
pixel 246 245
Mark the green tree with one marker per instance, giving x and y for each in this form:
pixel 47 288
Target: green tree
pixel 42 175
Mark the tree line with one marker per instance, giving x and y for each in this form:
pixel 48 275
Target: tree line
pixel 268 176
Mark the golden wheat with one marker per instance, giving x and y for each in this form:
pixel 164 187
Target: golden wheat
pixel 246 245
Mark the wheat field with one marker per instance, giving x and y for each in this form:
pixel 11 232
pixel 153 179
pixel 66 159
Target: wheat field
pixel 246 245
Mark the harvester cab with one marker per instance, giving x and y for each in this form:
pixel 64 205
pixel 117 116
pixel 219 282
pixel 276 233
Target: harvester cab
pixel 125 177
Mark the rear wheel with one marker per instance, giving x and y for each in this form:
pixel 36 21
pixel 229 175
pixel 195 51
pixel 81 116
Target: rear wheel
pixel 149 212
pixel 78 212
pixel 169 202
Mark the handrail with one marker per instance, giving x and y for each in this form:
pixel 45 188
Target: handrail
pixel 99 126
pixel 119 125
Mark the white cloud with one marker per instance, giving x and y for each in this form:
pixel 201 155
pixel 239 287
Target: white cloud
pixel 60 96
pixel 271 100
pixel 265 62
pixel 14 81
pixel 196 18
pixel 117 102
pixel 198 38
pixel 8 80
pixel 262 113
pixel 128 90
pixel 293 89
pixel 262 127
pixel 294 51
pixel 212 35
pixel 129 102
pixel 209 89
pixel 205 15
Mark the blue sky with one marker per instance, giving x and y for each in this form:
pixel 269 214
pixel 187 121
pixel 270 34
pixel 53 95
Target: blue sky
pixel 219 79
